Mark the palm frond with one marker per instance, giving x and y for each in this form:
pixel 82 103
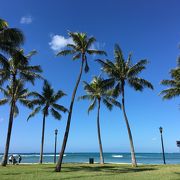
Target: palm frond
pixel 58 95
pixel 85 97
pixel 88 87
pixel 113 101
pixel 3 101
pixel 72 46
pixel 139 83
pixel 118 54
pixel 77 56
pixel 168 82
pixel 26 102
pixel 65 52
pixel 16 111
pixel 170 93
pixel 36 95
pixel 34 112
pixel 108 104
pixel 107 84
pixel 13 36
pixel 92 105
pixel 60 108
pixel 30 54
pixel 86 68
pixel 90 41
pixel 55 114
pixel 96 52
pixel 137 68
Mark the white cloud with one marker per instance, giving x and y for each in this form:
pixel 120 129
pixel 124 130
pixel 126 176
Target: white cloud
pixel 59 42
pixel 154 139
pixel 26 20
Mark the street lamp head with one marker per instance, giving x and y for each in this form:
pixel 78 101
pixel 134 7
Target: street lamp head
pixel 160 129
pixel 56 131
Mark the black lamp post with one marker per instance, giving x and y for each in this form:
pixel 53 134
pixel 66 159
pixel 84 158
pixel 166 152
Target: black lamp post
pixel 161 130
pixel 56 131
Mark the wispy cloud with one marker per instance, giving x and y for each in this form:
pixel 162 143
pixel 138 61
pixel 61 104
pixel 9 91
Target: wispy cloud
pixel 154 139
pixel 26 20
pixel 59 42
pixel 98 46
pixel 1 120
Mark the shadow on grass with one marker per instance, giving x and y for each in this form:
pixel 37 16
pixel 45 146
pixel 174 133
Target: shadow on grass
pixel 102 168
pixel 108 169
pixel 75 171
pixel 15 173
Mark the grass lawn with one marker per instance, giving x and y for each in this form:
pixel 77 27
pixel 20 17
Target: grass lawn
pixel 86 171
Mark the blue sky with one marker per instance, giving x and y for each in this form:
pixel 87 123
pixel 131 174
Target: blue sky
pixel 148 29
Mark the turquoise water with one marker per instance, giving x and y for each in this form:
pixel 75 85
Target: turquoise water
pixel 144 158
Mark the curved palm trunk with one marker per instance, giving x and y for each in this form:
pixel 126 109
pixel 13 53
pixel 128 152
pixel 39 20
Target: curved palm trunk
pixel 5 158
pixel 99 135
pixel 133 157
pixel 42 139
pixel 59 162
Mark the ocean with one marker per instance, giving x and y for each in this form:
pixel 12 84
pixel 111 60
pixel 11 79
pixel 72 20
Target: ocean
pixel 142 158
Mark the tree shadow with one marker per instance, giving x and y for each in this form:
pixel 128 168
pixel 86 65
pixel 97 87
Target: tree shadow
pixel 108 169
pixel 15 173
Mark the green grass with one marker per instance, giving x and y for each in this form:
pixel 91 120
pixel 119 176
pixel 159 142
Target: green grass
pixel 86 171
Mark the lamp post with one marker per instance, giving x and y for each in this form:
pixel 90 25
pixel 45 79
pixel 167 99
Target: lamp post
pixel 161 130
pixel 56 131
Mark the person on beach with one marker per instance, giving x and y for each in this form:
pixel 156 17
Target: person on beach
pixel 19 158
pixel 14 161
pixel 11 159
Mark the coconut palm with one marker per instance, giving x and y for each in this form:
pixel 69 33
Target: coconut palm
pixel 99 91
pixel 14 93
pixel 174 83
pixel 47 103
pixel 124 73
pixel 17 67
pixel 80 48
pixel 10 38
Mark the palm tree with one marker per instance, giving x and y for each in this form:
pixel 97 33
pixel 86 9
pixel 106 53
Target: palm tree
pixel 174 83
pixel 124 73
pixel 17 67
pixel 13 94
pixel 80 48
pixel 99 91
pixel 10 38
pixel 47 102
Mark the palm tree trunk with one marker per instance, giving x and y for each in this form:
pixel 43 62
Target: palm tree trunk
pixel 42 139
pixel 59 162
pixel 133 157
pixel 5 158
pixel 99 134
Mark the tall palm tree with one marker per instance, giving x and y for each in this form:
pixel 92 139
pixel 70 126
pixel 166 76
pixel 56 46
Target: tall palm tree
pixel 174 83
pixel 10 38
pixel 124 73
pixel 15 92
pixel 80 48
pixel 47 102
pixel 99 91
pixel 17 67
